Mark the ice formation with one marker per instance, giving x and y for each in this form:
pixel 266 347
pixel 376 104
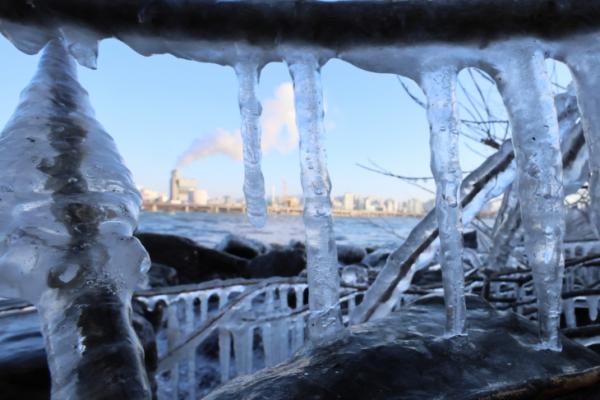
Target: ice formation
pixel 440 87
pixel 518 65
pixel 582 61
pixel 523 81
pixel 321 253
pixel 69 208
pixel 250 110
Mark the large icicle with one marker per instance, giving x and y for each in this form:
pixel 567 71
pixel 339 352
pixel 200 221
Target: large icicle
pixel 321 252
pixel 526 89
pixel 250 110
pixel 439 86
pixel 69 208
pixel 583 64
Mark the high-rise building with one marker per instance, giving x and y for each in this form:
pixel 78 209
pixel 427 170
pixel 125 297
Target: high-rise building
pixel 181 188
pixel 348 201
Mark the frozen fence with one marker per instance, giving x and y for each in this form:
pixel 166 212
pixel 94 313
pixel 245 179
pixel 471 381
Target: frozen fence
pixel 263 321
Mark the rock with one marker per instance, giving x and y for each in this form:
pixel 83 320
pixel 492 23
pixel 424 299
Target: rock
pixel 289 262
pixel 24 370
pixel 377 258
pixel 193 263
pixel 348 254
pixel 404 356
pixel 241 247
pixel 355 275
pixel 161 275
pixel 470 240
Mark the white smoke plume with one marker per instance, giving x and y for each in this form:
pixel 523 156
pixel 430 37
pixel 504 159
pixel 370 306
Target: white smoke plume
pixel 279 131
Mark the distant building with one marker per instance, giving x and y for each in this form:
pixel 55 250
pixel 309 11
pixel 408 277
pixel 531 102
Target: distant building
pixel 200 197
pixel 150 196
pixel 182 189
pixel 391 206
pixel 348 201
pixel 413 207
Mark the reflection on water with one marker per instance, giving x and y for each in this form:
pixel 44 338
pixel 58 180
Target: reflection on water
pixel 209 229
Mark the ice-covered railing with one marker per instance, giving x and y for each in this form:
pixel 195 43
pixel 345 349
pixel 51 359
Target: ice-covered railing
pixel 263 321
pixel 513 290
pixel 429 42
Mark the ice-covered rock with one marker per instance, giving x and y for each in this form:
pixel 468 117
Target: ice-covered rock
pixel 241 246
pixel 193 263
pixel 403 356
pixel 349 254
pixel 355 275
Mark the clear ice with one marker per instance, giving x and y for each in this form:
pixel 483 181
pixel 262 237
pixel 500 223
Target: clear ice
pixel 583 63
pixel 250 110
pixel 321 252
pixel 440 87
pixel 526 89
pixel 69 208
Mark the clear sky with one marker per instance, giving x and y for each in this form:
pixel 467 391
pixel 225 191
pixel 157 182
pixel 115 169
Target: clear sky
pixel 156 108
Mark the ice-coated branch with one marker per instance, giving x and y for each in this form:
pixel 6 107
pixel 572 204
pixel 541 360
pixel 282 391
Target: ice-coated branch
pixel 321 252
pixel 488 180
pixel 250 110
pixel 526 89
pixel 440 87
pixel 69 208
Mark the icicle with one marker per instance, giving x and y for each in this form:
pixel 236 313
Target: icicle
pixel 584 68
pixel 82 44
pixel 27 38
pixel 592 302
pixel 299 294
pixel 250 110
pixel 242 347
pixel 203 307
pixel 322 267
pixel 569 310
pixel 297 333
pixel 224 353
pixel 526 90
pixel 267 339
pixel 66 244
pixel 439 86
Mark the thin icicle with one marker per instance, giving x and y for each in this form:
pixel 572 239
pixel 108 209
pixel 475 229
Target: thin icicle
pixel 250 110
pixel 439 86
pixel 224 353
pixel 526 90
pixel 321 252
pixel 242 347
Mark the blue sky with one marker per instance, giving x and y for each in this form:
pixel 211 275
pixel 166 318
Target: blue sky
pixel 156 107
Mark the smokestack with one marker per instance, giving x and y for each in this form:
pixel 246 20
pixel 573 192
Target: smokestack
pixel 174 195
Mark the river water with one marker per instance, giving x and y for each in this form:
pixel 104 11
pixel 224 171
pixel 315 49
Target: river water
pixel 209 229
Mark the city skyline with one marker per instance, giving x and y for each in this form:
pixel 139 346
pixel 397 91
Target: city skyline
pixel 171 108
pixel 157 113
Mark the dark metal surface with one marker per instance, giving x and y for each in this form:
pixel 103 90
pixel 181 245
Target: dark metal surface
pixel 334 25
